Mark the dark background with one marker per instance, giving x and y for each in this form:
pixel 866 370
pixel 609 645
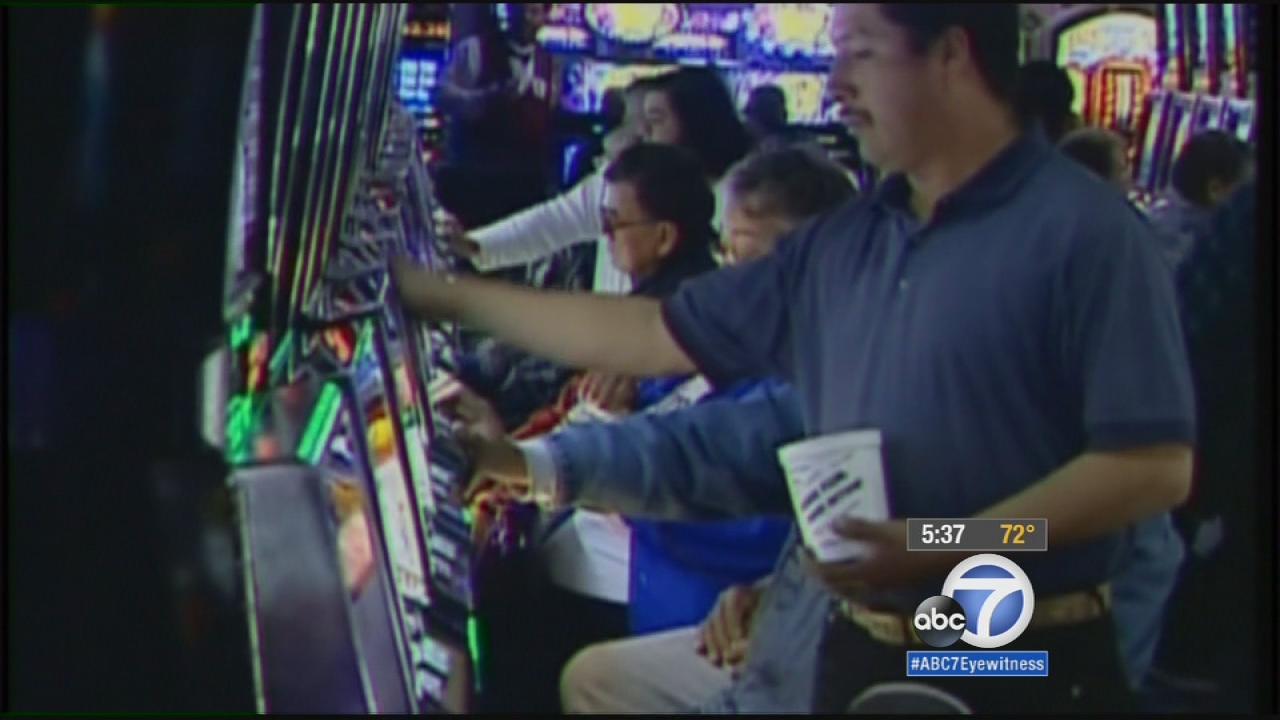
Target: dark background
pixel 113 298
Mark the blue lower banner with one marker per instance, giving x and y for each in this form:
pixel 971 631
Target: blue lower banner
pixel 977 663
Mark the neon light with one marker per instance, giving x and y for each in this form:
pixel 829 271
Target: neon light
pixel 474 645
pixel 320 425
pixel 281 354
pixel 241 418
pixel 241 332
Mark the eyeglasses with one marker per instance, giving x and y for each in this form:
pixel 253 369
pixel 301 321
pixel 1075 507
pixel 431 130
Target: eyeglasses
pixel 612 227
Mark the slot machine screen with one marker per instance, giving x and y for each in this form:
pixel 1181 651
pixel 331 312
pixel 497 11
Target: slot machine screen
pixel 416 83
pixel 586 80
pixel 789 33
pixel 807 103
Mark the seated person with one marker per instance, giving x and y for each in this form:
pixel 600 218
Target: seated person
pixel 1210 167
pixel 677 569
pixel 689 107
pixel 1099 150
pixel 755 652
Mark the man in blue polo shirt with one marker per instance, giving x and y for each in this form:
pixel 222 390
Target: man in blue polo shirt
pixel 999 316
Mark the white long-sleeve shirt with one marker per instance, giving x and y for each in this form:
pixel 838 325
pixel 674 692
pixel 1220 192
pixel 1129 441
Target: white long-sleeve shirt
pixel 568 219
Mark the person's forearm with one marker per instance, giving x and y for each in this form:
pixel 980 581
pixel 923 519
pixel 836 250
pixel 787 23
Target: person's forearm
pixel 1098 493
pixel 539 231
pixel 626 336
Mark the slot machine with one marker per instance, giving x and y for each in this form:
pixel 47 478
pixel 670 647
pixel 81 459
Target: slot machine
pixel 237 376
pixel 1112 59
pixel 424 49
pixel 333 447
pixel 355 328
pixel 320 642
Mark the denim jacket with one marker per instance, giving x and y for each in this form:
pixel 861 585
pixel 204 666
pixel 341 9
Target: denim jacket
pixel 718 459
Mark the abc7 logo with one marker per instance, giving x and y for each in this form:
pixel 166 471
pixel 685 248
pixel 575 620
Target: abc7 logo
pixel 987 601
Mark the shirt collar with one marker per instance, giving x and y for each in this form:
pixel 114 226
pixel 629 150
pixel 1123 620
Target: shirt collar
pixel 990 186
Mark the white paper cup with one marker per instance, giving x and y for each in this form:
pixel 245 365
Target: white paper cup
pixel 834 477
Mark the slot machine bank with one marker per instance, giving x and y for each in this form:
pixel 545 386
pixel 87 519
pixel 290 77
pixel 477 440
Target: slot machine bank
pixel 354 553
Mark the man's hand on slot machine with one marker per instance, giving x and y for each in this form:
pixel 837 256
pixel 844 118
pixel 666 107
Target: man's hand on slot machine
pixel 500 477
pixel 499 470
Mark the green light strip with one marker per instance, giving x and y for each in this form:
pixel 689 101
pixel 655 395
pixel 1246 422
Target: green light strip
pixel 276 366
pixel 474 645
pixel 320 425
pixel 241 415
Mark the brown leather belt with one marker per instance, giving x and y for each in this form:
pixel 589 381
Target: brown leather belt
pixel 893 628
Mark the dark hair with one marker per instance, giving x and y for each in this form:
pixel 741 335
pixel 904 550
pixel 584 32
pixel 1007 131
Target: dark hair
pixel 767 108
pixel 1044 94
pixel 612 107
pixel 994 31
pixel 793 181
pixel 1207 156
pixel 709 122
pixel 670 186
pixel 1094 148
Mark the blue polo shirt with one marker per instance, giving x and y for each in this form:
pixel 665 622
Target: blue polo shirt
pixel 1031 320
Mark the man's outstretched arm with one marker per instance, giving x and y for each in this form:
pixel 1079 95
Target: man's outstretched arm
pixel 712 461
pixel 729 324
pixel 623 335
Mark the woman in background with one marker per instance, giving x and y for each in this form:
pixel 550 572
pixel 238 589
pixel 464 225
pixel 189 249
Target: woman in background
pixel 689 107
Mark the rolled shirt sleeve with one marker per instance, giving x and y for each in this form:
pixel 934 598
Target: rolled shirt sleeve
pixel 736 323
pixel 568 219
